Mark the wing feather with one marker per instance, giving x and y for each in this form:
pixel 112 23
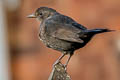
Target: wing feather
pixel 62 31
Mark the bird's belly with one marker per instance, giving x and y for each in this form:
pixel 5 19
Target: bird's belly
pixel 61 45
pixel 57 44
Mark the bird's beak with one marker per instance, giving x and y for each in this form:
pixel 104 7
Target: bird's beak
pixel 31 16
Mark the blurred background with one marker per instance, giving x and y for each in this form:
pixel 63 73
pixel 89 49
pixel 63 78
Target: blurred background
pixel 24 57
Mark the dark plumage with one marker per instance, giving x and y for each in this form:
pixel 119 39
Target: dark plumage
pixel 61 32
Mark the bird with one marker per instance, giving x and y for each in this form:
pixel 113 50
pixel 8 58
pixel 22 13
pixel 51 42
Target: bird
pixel 62 33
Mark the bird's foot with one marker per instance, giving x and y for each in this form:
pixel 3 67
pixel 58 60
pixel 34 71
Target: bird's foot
pixel 56 62
pixel 59 63
pixel 65 66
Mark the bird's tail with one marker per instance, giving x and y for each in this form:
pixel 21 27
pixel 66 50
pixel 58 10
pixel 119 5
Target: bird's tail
pixel 96 31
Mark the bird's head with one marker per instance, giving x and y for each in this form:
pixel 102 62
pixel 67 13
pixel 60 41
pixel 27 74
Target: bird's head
pixel 42 13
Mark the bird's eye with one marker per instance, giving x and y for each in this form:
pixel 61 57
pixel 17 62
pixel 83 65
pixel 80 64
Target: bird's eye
pixel 40 14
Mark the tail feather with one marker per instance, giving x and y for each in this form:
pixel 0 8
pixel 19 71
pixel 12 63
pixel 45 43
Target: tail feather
pixel 95 31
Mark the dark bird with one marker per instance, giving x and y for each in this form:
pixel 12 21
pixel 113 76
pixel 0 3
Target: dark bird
pixel 61 32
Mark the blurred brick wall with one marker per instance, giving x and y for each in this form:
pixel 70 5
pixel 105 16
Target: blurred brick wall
pixel 98 60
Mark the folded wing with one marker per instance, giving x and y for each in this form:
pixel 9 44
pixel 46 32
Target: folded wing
pixel 65 32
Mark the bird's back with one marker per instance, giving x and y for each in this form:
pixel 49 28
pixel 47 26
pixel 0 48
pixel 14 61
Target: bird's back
pixel 67 20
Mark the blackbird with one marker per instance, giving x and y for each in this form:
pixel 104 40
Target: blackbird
pixel 61 32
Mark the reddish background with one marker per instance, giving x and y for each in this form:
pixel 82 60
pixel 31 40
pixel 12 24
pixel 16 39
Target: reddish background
pixel 98 60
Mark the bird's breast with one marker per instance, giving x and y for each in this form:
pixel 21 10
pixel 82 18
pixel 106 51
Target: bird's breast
pixel 42 31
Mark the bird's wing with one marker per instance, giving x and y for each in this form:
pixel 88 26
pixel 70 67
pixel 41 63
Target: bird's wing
pixel 67 35
pixel 77 25
pixel 65 32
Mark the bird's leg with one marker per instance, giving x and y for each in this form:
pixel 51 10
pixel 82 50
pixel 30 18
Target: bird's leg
pixel 68 60
pixel 58 60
